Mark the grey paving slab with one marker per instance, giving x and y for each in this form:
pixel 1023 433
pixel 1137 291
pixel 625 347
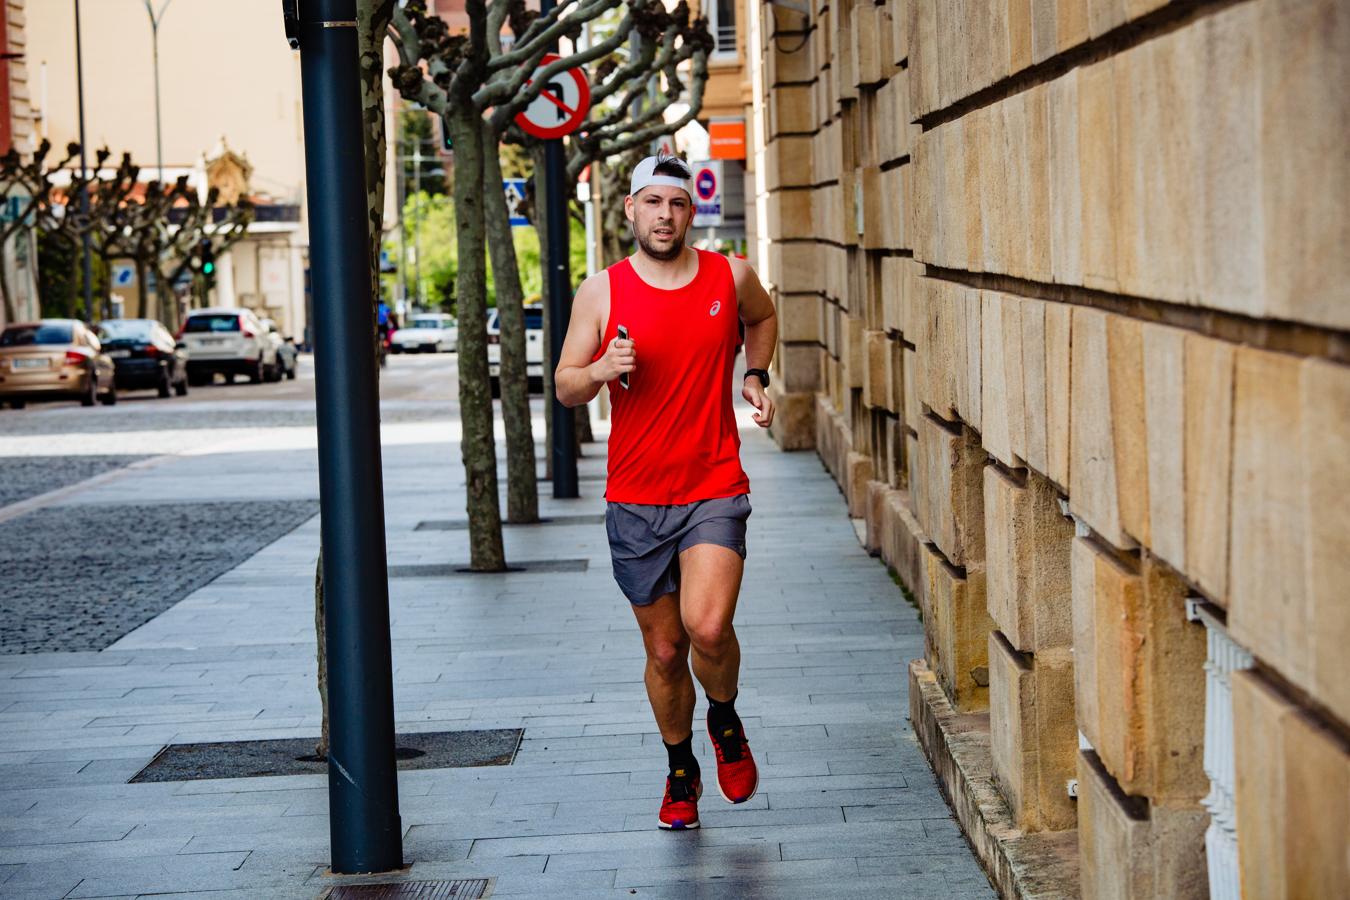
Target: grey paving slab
pixel 847 806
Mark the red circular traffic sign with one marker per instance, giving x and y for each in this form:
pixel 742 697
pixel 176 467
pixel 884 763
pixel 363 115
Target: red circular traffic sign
pixel 561 106
pixel 705 184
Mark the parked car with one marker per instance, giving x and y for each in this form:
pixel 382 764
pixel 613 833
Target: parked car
pixel 287 354
pixel 534 349
pixel 54 359
pixel 426 333
pixel 145 355
pixel 230 341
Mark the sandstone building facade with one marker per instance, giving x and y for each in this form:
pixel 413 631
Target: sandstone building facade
pixel 1064 296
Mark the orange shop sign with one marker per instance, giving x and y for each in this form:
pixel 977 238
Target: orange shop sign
pixel 726 138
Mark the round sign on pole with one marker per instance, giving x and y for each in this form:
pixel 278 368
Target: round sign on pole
pixel 705 184
pixel 561 106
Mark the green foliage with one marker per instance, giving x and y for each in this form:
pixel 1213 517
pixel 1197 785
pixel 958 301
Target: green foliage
pixel 421 130
pixel 440 256
pixel 61 278
pixel 576 247
pixel 516 161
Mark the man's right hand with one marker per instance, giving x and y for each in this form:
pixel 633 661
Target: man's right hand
pixel 620 358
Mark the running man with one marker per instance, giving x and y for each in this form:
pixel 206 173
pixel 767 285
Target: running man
pixel 677 494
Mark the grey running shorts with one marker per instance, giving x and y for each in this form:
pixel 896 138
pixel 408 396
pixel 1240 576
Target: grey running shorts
pixel 645 541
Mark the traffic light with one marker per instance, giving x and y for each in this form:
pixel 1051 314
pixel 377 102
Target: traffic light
pixel 207 254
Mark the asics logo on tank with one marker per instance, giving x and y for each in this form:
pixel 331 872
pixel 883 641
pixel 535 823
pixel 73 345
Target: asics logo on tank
pixel 715 308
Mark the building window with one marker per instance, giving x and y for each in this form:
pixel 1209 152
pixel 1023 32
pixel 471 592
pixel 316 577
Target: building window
pixel 722 24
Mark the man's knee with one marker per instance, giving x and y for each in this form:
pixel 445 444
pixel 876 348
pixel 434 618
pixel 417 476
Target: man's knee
pixel 668 657
pixel 712 638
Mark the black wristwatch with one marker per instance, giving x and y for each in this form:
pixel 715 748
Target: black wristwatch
pixel 762 375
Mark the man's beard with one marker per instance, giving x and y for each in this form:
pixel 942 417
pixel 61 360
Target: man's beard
pixel 654 252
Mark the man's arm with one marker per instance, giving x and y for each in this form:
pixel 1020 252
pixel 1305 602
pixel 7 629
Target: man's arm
pixel 761 335
pixel 577 379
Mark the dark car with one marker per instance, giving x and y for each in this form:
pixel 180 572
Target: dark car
pixel 146 355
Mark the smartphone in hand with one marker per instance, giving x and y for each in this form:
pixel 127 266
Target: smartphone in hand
pixel 623 335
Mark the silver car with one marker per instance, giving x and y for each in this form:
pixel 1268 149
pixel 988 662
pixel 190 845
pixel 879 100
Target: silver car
pixel 288 357
pixel 229 341
pixel 426 333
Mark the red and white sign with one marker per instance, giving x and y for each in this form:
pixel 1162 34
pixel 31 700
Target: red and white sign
pixel 561 106
pixel 708 194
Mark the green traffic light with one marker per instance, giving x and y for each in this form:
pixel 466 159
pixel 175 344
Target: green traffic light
pixel 208 268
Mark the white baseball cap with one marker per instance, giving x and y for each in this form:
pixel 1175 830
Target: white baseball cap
pixel 644 175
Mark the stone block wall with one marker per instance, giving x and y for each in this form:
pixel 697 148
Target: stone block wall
pixel 1064 296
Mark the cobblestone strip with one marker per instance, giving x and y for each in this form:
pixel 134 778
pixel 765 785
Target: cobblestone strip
pixel 73 580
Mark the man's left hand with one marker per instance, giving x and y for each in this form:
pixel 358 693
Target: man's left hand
pixel 756 395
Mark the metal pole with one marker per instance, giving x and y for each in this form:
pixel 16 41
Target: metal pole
pixel 155 19
pixel 417 223
pixel 559 306
pixel 364 824
pixel 88 255
pixel 401 183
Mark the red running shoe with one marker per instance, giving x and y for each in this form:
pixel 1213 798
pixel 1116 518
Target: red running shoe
pixel 737 774
pixel 679 808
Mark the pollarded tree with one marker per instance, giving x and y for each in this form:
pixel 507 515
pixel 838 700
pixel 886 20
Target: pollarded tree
pixel 29 189
pixel 477 88
pixel 62 223
pixel 189 228
pixel 162 229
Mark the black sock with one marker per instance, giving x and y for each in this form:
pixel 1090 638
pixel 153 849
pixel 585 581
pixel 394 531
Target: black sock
pixel 722 714
pixel 683 763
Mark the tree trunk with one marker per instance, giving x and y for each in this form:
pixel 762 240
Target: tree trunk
pixel 143 289
pixel 522 488
pixel 168 301
pixel 11 313
pixel 477 444
pixel 585 434
pixel 373 17
pixel 321 655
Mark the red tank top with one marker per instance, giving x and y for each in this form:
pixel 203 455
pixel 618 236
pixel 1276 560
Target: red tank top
pixel 673 436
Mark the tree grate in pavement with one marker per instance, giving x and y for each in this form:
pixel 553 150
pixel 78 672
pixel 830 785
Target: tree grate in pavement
pixel 461 889
pixel 295 756
pixel 463 524
pixel 80 577
pixel 442 570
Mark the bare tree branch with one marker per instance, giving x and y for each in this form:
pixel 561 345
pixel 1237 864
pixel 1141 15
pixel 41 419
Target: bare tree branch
pixel 537 40
pixel 511 96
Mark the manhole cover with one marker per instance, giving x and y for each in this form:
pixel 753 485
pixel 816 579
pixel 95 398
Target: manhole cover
pixel 294 756
pixel 461 889
pixel 444 570
pixel 463 524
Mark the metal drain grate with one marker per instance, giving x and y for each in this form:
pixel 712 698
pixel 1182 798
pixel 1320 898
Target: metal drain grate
pixel 463 524
pixel 442 570
pixel 461 889
pixel 294 756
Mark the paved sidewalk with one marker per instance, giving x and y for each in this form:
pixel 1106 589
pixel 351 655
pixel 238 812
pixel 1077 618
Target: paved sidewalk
pixel 847 806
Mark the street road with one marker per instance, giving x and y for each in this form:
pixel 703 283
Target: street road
pixel 91 551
